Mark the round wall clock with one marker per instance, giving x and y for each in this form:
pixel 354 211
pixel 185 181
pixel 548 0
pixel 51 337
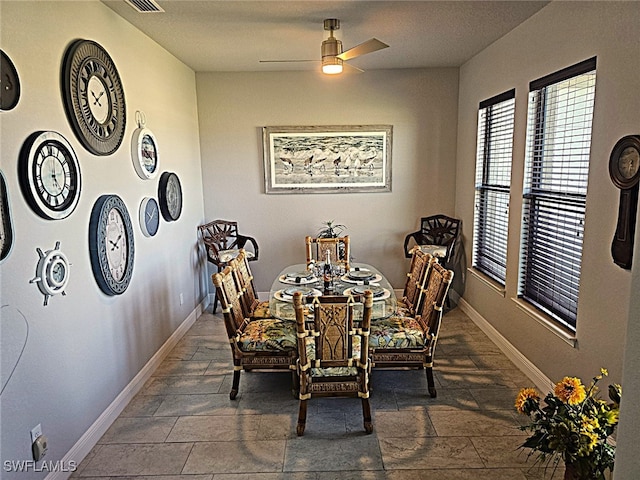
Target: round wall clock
pixel 6 225
pixel 52 272
pixel 144 150
pixel 624 162
pixel 93 97
pixel 49 175
pixel 9 83
pixel 111 245
pixel 170 196
pixel 149 216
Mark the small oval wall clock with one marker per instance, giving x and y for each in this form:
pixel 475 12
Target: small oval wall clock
pixel 49 175
pixel 93 97
pixel 111 244
pixel 170 196
pixel 6 224
pixel 9 83
pixel 149 216
pixel 144 150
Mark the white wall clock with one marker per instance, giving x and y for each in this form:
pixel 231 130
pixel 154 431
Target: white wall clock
pixel 111 244
pixel 93 97
pixel 144 149
pixel 49 175
pixel 52 272
pixel 149 216
pixel 6 224
pixel 170 196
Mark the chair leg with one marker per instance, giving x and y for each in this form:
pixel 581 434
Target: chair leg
pixel 366 414
pixel 236 385
pixel 215 303
pixel 302 417
pixel 430 382
pixel 295 383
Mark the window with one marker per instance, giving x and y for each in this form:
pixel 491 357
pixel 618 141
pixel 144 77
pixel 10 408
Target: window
pixel 493 179
pixel 555 189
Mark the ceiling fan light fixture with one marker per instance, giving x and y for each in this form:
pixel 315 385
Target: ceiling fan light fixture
pixel 331 65
pixel 331 47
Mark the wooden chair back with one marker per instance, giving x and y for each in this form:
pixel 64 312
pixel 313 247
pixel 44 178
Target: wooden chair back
pixel 244 280
pixel 416 278
pixel 229 296
pixel 435 230
pixel 339 247
pixel 435 293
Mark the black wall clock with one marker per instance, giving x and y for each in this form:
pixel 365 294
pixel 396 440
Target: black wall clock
pixel 93 97
pixel 111 244
pixel 144 150
pixel 624 169
pixel 49 175
pixel 149 216
pixel 9 83
pixel 170 196
pixel 6 224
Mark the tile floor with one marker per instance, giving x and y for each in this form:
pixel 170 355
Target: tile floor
pixel 183 426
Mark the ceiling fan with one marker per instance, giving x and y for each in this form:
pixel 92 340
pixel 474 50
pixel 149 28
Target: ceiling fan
pixel 332 54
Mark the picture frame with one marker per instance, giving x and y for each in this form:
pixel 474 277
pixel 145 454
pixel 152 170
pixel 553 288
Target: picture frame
pixel 327 159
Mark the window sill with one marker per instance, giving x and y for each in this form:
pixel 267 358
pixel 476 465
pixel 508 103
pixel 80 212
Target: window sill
pixel 495 286
pixel 546 322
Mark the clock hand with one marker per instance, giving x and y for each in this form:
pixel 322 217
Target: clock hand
pixel 115 244
pixel 96 99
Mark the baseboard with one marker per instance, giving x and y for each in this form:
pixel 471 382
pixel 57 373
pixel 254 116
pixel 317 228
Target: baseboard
pixel 90 438
pixel 540 380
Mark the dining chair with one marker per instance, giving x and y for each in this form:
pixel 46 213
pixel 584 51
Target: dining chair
pixel 339 248
pixel 401 342
pixel 437 235
pixel 252 307
pixel 265 344
pixel 333 357
pixel 417 275
pixel 223 243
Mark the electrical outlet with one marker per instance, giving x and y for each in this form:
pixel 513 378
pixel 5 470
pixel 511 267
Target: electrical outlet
pixel 36 432
pixel 181 299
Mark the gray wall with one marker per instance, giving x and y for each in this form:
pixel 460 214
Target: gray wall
pixel 420 104
pixel 560 35
pixel 84 348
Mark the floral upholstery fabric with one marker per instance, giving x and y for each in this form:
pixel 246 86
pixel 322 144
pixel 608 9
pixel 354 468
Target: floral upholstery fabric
pixel 333 371
pixel 261 310
pixel 268 335
pixel 396 332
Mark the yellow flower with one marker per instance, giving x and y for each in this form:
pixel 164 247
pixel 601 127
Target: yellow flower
pixel 589 424
pixel 524 395
pixel 612 416
pixel 570 390
pixel 589 444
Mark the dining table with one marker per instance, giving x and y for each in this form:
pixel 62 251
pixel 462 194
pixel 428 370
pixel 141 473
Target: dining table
pixel 310 282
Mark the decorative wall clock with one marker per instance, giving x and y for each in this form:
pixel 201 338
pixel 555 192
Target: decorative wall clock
pixel 49 175
pixel 170 196
pixel 111 244
pixel 624 169
pixel 93 97
pixel 52 272
pixel 144 150
pixel 149 216
pixel 6 224
pixel 9 83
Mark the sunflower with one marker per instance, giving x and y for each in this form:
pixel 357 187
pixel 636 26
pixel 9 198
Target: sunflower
pixel 570 390
pixel 523 396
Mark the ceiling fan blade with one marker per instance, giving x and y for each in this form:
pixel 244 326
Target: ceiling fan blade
pixel 286 61
pixel 367 47
pixel 348 68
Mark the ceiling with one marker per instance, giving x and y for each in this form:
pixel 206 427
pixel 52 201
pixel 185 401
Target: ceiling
pixel 235 35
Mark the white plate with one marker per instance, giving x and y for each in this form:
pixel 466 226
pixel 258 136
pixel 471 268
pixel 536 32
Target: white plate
pixel 292 280
pixel 386 294
pixel 376 278
pixel 284 297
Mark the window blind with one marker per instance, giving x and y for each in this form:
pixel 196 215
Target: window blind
pixel 556 171
pixel 493 179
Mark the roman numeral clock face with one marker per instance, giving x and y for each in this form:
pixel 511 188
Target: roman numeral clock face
pixel 49 175
pixel 93 97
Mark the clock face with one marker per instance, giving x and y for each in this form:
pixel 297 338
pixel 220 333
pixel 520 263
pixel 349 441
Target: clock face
pixel 624 163
pixel 9 83
pixel 149 214
pixel 93 97
pixel 144 152
pixel 170 196
pixel 111 244
pixel 50 175
pixel 6 225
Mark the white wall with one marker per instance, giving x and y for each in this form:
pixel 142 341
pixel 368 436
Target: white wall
pixel 84 348
pixel 561 34
pixel 420 104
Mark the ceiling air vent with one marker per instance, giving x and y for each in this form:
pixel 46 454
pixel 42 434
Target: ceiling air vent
pixel 145 6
